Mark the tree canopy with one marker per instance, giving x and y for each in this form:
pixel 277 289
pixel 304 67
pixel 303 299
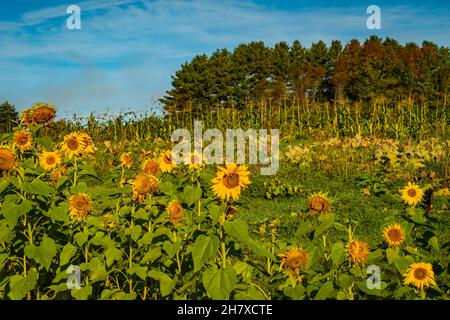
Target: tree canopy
pixel 292 74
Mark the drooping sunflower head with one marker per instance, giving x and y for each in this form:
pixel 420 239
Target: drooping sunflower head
pixel 412 194
pixel 73 145
pixel 58 173
pixel 295 259
pixel 175 212
pixel 229 181
pixel 319 203
pixel 143 186
pixel 358 251
pixel 23 140
pixel 8 159
pixel 420 275
pixel 49 160
pixel 151 167
pixel 88 142
pixel 126 160
pixel 27 117
pixel 43 113
pixel 166 163
pixel 394 235
pixel 80 205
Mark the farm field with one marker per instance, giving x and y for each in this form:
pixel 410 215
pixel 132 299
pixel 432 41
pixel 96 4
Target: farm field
pixel 359 208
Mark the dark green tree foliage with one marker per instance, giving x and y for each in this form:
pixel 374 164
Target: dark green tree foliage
pixel 375 70
pixel 8 117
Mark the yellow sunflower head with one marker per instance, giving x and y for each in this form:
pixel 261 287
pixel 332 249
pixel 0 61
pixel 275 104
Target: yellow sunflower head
pixel 88 142
pixel 319 203
pixel 73 145
pixel 126 160
pixel 49 160
pixel 23 140
pixel 43 113
pixel 166 163
pixel 151 167
pixel 175 212
pixel 394 235
pixel 79 206
pixel 27 117
pixel 229 181
pixel 358 251
pixel 8 159
pixel 420 275
pixel 143 186
pixel 295 259
pixel 194 160
pixel 412 194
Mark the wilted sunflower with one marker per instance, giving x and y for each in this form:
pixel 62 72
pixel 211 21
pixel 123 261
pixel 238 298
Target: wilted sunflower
pixel 394 235
pixel 7 159
pixel 295 259
pixel 358 251
pixel 151 167
pixel 43 113
pixel 88 142
pixel 27 117
pixel 49 160
pixel 79 206
pixel 73 145
pixel 126 160
pixel 412 194
pixel 175 212
pixel 420 275
pixel 166 162
pixel 230 180
pixel 319 203
pixel 143 186
pixel 23 140
pixel 58 174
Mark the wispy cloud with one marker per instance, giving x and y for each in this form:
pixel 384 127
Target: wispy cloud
pixel 127 49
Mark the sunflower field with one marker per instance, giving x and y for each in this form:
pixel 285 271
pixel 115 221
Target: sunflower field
pixel 347 217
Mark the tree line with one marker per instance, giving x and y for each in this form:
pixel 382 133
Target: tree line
pixel 381 70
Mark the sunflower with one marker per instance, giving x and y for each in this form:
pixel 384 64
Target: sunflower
pixel 394 235
pixel 23 140
pixel 109 222
pixel 126 160
pixel 230 180
pixel 194 160
pixel 319 203
pixel 175 212
pixel 166 162
pixel 143 185
pixel 58 174
pixel 151 167
pixel 420 275
pixel 79 206
pixel 7 159
pixel 412 194
pixel 358 251
pixel 295 259
pixel 27 115
pixel 73 145
pixel 49 160
pixel 88 142
pixel 43 113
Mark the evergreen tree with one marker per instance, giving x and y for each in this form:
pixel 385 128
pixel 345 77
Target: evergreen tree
pixel 8 117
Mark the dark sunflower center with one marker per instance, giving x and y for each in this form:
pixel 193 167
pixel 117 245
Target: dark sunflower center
pixel 22 140
pixel 81 204
pixel 51 160
pixel 2 160
pixel 420 273
pixel 395 235
pixel 72 144
pixel 167 159
pixel 412 193
pixel 231 180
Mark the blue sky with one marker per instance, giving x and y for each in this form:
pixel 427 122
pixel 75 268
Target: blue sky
pixel 126 51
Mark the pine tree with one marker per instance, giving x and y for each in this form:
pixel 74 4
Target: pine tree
pixel 8 117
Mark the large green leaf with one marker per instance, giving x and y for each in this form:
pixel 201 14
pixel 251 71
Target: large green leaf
pixel 20 285
pixel 42 254
pixel 204 248
pixel 67 253
pixel 219 283
pixel 326 291
pixel 58 213
pixel 191 194
pixel 39 187
pixel 81 294
pixel 338 253
pixel 166 283
pixel 12 212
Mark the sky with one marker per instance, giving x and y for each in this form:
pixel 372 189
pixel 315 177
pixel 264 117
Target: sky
pixel 123 56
